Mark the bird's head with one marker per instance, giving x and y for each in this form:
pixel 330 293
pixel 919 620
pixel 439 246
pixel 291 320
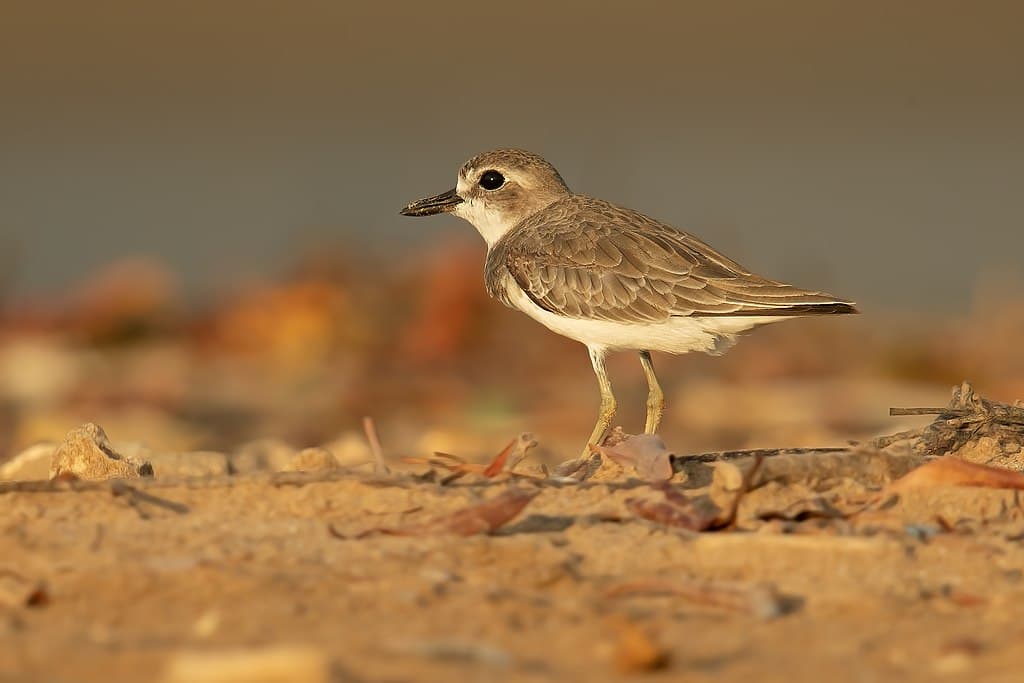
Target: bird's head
pixel 495 191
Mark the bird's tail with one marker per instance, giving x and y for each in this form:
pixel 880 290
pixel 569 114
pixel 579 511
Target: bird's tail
pixel 823 308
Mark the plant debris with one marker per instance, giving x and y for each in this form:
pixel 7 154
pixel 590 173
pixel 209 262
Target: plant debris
pixel 972 427
pixel 380 468
pixel 481 518
pixel 681 512
pixel 645 453
pixel 578 469
pixel 511 455
pixel 951 471
pixel 503 463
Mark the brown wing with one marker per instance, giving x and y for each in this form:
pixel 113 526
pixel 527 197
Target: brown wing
pixel 585 258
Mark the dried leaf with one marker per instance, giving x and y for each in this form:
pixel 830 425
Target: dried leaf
pixel 679 511
pixel 671 514
pixel 951 471
pixel 515 451
pixel 480 518
pixel 646 453
pixel 498 464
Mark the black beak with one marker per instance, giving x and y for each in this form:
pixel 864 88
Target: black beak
pixel 442 203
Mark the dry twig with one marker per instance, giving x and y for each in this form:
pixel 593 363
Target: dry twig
pixel 379 467
pixel 503 463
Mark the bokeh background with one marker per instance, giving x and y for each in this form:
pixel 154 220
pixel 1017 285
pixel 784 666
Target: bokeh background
pixel 200 244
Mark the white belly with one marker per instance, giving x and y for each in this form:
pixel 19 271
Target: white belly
pixel 712 335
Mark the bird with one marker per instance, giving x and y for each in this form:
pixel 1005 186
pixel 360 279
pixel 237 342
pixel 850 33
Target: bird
pixel 609 277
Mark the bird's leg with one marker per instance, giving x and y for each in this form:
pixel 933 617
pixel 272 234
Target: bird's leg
pixel 607 412
pixel 655 397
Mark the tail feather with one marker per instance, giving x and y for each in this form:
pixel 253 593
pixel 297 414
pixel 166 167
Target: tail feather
pixel 831 308
pixel 807 308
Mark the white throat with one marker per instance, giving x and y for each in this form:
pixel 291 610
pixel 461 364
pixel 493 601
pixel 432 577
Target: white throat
pixel 492 225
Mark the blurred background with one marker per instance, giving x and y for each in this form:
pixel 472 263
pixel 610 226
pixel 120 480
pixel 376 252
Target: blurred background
pixel 200 244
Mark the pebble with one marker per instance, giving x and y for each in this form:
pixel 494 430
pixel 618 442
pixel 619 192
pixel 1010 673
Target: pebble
pixel 312 460
pixel 86 453
pixel 277 664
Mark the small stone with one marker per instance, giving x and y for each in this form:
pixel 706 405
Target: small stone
pixel 86 453
pixel 312 460
pixel 280 664
pixel 350 449
pixel 262 455
pixel 31 464
pixel 190 464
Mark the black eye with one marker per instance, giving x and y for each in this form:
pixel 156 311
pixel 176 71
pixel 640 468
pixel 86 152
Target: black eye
pixel 491 180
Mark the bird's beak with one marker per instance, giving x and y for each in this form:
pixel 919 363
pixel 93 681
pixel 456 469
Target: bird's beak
pixel 442 203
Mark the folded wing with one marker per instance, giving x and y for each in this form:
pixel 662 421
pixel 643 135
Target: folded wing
pixel 585 258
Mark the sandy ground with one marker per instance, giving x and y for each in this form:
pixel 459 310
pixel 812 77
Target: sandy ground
pixel 234 562
pixel 819 578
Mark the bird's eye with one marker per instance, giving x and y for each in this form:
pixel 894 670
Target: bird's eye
pixel 491 180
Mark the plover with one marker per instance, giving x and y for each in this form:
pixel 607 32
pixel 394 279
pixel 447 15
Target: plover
pixel 609 277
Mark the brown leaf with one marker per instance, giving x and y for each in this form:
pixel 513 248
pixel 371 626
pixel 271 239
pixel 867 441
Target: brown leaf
pixel 679 511
pixel 646 453
pixel 951 471
pixel 480 518
pixel 498 464
pixel 671 514
pixel 487 516
pixel 516 450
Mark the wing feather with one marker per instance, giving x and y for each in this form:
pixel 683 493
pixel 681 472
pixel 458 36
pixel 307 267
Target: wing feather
pixel 586 258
